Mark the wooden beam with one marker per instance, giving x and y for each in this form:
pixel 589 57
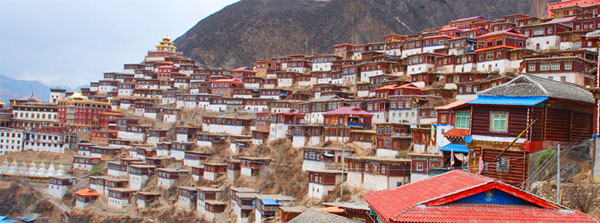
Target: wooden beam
pixel 513 142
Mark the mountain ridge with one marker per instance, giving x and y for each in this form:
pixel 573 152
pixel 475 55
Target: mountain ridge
pixel 261 29
pixel 17 89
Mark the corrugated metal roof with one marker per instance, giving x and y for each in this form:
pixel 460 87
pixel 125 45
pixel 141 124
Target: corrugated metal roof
pixel 502 100
pixel 456 148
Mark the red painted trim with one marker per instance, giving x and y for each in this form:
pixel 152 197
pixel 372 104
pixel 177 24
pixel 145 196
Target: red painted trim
pixel 460 195
pixel 494 185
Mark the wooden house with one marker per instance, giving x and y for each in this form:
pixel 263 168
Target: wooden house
pixel 251 166
pixel 242 199
pixel 542 111
pixel 212 171
pixel 377 173
pixel 139 174
pixel 144 199
pixel 339 122
pixel 186 197
pixel 120 197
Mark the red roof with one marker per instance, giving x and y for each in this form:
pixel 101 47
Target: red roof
pixel 394 87
pixel 348 111
pixel 497 47
pixel 167 66
pixel 493 213
pixel 432 200
pixel 87 192
pixel 452 105
pixel 510 32
pixel 292 112
pixel 227 81
pixel 243 69
pixel 438 36
pixel 459 133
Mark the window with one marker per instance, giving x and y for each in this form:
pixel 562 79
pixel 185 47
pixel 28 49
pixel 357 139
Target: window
pixel 531 68
pixel 544 67
pixel 503 164
pixel 463 120
pixel 419 167
pixel 538 31
pixel 388 143
pixel 555 66
pixel 499 121
pixel 568 66
pixel 443 118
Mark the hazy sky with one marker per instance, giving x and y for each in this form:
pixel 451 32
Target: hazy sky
pixel 73 42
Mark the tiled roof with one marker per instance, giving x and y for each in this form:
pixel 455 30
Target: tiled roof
pixel 348 111
pixel 532 86
pixel 433 200
pixel 469 212
pixel 511 32
pixel 459 133
pixel 311 215
pixel 87 192
pixel 452 105
pixel 394 87
pixel 390 204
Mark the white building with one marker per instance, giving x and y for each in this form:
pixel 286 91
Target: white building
pixel 11 140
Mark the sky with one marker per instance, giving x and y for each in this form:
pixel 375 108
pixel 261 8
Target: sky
pixel 72 42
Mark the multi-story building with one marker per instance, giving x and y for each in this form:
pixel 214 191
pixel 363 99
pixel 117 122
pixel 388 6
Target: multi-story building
pixel 83 115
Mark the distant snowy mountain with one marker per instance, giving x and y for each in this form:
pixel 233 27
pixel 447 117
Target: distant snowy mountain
pixel 16 89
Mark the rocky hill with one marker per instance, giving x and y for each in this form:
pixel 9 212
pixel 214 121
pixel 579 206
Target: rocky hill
pixel 254 29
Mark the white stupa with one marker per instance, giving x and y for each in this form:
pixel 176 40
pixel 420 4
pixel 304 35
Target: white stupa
pixel 61 171
pixel 5 166
pixel 41 170
pixel 23 169
pixel 32 170
pixel 13 169
pixel 51 170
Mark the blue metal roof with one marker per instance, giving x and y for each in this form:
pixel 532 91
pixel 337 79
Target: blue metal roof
pixel 269 202
pixel 503 100
pixel 458 148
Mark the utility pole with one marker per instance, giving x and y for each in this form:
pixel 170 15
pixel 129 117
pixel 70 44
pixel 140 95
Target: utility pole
pixel 558 199
pixel 343 166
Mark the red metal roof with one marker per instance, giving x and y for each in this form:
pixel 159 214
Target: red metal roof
pixel 292 112
pixel 227 81
pixel 242 69
pixel 431 200
pixel 510 32
pixel 438 36
pixel 452 105
pixel 87 192
pixel 394 87
pixel 492 213
pixel 459 133
pixel 348 111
